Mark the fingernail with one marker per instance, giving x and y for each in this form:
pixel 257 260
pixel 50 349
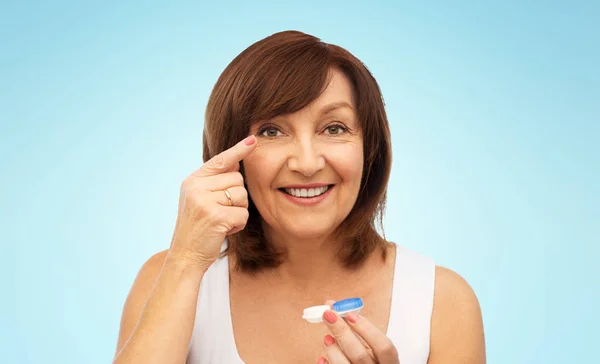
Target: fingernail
pixel 329 340
pixel 322 360
pixel 249 140
pixel 330 316
pixel 352 317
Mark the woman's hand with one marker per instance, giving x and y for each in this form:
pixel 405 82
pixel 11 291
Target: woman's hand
pixel 213 203
pixel 356 340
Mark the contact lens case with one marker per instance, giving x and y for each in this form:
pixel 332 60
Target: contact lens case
pixel 314 314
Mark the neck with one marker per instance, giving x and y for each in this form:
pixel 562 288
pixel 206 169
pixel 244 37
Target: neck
pixel 307 261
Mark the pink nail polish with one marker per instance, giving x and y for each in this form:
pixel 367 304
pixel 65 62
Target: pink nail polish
pixel 330 316
pixel 329 340
pixel 352 317
pixel 322 360
pixel 250 140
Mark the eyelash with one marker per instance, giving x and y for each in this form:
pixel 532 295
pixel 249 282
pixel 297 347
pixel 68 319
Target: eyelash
pixel 343 129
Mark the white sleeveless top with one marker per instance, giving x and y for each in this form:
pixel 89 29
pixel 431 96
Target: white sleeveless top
pixel 409 323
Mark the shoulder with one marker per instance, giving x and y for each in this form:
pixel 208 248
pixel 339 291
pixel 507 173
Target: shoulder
pixel 453 291
pixel 149 272
pixel 456 324
pixel 154 263
pixel 138 294
pixel 146 277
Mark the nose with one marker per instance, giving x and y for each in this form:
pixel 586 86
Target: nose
pixel 306 158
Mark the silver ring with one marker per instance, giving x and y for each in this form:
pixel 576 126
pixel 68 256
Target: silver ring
pixel 228 195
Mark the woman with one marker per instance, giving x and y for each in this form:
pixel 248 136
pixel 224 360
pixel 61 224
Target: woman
pixel 283 216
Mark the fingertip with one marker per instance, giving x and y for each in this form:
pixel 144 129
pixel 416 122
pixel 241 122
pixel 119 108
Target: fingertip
pixel 321 360
pixel 330 317
pixel 328 340
pixel 352 317
pixel 249 141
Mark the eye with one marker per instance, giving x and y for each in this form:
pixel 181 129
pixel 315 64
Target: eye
pixel 335 129
pixel 269 132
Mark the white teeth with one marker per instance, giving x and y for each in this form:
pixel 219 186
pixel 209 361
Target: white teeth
pixel 306 192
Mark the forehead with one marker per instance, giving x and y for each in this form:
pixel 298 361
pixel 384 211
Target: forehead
pixel 338 90
pixel 338 96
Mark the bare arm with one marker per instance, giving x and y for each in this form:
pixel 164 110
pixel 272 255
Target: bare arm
pixel 159 313
pixel 456 326
pixel 158 317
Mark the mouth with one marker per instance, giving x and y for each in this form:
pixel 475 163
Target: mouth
pixel 306 192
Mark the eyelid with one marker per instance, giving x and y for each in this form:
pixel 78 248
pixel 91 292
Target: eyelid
pixel 336 123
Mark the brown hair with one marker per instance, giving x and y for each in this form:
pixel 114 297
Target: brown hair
pixel 282 74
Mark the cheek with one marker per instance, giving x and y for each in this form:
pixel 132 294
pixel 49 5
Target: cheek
pixel 260 169
pixel 347 161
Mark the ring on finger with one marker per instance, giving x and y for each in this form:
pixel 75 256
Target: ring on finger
pixel 228 195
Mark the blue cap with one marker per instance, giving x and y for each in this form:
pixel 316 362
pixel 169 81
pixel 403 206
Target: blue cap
pixel 348 304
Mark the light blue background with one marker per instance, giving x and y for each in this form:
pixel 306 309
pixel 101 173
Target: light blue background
pixel 495 119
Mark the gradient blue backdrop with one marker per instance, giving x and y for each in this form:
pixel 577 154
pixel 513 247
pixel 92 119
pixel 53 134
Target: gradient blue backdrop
pixel 495 119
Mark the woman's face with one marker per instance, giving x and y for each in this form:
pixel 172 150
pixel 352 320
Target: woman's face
pixel 305 174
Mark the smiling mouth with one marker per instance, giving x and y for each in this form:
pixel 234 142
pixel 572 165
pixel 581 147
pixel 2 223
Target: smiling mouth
pixel 306 192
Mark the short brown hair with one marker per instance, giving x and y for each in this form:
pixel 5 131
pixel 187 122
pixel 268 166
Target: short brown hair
pixel 282 74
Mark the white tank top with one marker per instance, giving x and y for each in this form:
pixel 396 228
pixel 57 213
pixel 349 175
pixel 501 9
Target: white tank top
pixel 409 323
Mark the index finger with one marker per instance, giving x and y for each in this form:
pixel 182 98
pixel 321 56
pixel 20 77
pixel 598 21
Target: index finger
pixel 228 159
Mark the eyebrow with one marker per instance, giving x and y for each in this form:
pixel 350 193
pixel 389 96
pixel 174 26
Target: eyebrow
pixel 334 106
pixel 324 111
